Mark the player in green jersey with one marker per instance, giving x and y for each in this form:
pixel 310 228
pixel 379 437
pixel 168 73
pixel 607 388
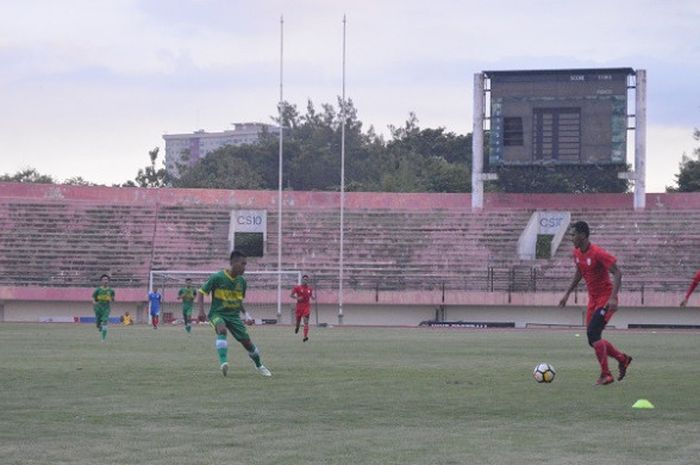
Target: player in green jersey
pixel 101 299
pixel 227 289
pixel 186 294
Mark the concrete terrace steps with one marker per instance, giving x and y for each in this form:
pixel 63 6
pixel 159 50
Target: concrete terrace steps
pixel 71 244
pixel 650 246
pixel 395 248
pixel 443 234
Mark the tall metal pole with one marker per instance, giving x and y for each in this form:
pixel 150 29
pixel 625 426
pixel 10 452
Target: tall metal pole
pixel 640 139
pixel 342 188
pixel 478 143
pixel 280 108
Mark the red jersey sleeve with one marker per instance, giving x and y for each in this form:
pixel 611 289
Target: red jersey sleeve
pixel 693 285
pixel 605 259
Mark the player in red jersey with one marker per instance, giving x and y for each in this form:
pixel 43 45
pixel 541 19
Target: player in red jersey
pixel 691 288
pixel 303 294
pixel 595 266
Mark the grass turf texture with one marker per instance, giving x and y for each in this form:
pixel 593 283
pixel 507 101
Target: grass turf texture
pixel 348 396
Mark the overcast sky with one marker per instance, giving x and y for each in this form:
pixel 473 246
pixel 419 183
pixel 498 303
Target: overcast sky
pixel 88 87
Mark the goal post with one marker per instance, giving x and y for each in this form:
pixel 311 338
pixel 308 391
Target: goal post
pixel 262 300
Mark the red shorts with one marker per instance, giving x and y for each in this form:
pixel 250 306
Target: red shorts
pixel 303 310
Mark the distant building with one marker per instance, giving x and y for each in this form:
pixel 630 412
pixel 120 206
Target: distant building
pixel 191 147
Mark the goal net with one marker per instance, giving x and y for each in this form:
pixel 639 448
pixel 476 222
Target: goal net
pixel 262 301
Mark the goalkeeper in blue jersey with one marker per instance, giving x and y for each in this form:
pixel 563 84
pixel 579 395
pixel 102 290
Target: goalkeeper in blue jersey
pixel 155 298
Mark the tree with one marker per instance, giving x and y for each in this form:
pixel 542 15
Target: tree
pixel 150 176
pixel 31 175
pixel 220 170
pixel 444 176
pixel 78 181
pixel 427 160
pixel 28 175
pixel 431 142
pixel 406 177
pixel 688 177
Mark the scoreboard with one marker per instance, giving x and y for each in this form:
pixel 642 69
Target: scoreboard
pixel 569 116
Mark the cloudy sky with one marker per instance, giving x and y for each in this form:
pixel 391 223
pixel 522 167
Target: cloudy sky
pixel 88 87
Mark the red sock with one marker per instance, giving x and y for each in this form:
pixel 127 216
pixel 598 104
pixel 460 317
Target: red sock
pixel 601 354
pixel 613 352
pixel 155 321
pixel 306 330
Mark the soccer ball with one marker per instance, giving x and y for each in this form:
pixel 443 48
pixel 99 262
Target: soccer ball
pixel 544 373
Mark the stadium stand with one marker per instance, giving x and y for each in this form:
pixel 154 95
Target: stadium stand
pixel 56 241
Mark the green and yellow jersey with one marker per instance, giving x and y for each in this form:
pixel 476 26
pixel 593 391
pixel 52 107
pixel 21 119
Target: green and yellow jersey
pixel 187 295
pixel 227 293
pixel 102 297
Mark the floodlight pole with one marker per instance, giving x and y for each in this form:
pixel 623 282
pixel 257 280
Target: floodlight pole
pixel 478 143
pixel 342 187
pixel 279 177
pixel 640 139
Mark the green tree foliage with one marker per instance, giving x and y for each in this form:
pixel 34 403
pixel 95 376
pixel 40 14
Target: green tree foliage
pixel 150 176
pixel 78 181
pixel 28 175
pixel 31 175
pixel 688 177
pixel 227 168
pixel 414 160
pixel 427 160
pixel 453 148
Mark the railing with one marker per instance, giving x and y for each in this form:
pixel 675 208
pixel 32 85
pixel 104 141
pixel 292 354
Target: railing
pixel 514 279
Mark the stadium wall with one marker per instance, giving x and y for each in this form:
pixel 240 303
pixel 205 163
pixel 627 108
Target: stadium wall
pixel 63 312
pixel 375 314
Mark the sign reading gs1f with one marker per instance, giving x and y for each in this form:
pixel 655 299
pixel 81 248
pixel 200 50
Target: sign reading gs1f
pixel 249 221
pixel 549 222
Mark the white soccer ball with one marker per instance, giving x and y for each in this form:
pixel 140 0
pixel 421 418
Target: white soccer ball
pixel 544 373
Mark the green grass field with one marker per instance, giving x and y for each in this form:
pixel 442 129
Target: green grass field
pixel 349 396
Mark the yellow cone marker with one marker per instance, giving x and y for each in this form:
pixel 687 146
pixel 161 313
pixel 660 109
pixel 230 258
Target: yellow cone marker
pixel 643 403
